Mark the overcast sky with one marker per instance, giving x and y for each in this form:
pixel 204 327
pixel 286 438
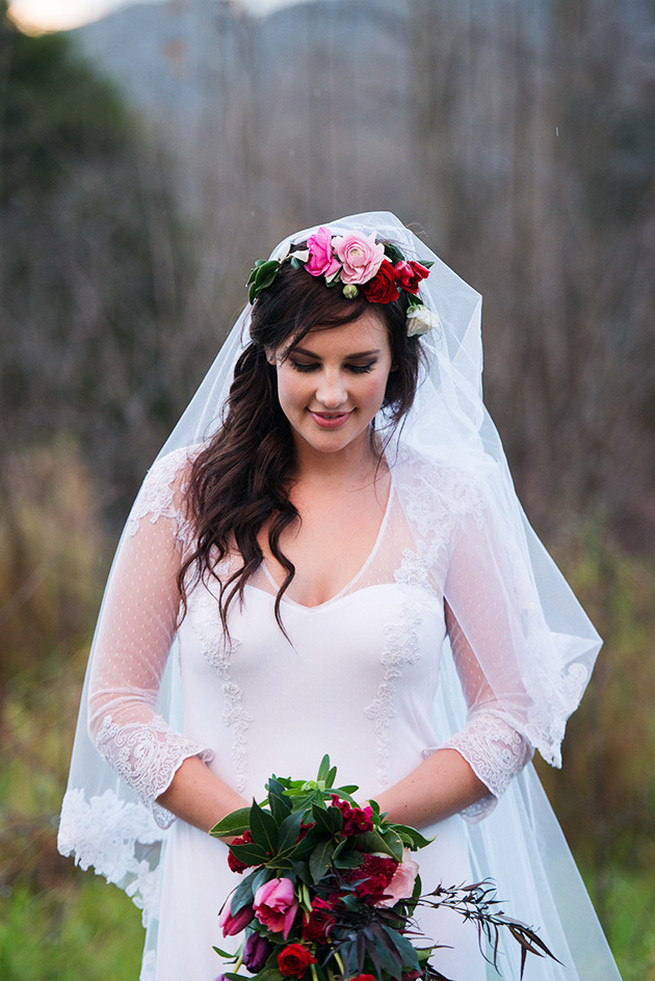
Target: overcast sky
pixel 63 14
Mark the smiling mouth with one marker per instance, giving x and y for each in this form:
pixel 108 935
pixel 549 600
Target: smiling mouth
pixel 330 420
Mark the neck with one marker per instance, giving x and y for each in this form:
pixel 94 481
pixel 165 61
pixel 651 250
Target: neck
pixel 355 465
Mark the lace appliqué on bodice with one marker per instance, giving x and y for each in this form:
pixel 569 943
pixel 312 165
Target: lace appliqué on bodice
pixel 219 651
pixel 402 648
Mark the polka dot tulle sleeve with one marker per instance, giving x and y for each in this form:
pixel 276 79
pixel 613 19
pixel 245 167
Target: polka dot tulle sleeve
pixel 135 631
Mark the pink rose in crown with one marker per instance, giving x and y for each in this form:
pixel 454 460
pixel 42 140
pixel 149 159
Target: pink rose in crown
pixel 361 257
pixel 275 906
pixel 322 261
pixel 402 882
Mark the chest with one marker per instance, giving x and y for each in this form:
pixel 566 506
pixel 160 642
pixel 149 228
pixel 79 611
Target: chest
pixel 330 543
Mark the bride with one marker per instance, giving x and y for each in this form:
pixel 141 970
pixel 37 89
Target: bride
pixel 328 557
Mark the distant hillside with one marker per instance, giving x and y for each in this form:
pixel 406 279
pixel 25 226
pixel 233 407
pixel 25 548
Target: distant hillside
pixel 320 89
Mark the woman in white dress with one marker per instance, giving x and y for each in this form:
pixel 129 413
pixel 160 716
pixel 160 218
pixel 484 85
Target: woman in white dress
pixel 328 557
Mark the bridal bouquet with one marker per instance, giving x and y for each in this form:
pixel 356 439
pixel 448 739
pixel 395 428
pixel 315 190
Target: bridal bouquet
pixel 330 887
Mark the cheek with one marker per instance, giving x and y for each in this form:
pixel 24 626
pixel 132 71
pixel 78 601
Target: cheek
pixel 375 388
pixel 291 388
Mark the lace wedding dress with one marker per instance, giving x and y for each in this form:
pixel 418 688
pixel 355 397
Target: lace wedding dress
pixel 357 679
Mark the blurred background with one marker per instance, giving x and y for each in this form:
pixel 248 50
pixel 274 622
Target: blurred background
pixel 148 154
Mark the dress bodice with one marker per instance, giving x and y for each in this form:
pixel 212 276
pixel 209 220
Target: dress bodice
pixel 370 655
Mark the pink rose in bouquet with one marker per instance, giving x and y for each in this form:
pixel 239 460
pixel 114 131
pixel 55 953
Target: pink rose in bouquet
pixel 275 906
pixel 322 261
pixel 401 885
pixel 361 256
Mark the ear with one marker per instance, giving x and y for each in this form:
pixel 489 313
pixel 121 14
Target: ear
pixel 270 357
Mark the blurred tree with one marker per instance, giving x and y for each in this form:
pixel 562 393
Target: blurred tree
pixel 95 266
pixel 96 333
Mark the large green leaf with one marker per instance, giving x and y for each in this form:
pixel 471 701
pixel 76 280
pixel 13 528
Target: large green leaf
pixel 404 948
pixel 279 803
pixel 250 853
pixel 243 895
pixel 289 829
pixel 234 823
pixel 320 859
pixel 263 828
pixel 323 770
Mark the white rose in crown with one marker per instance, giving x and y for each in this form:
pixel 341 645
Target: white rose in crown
pixel 420 319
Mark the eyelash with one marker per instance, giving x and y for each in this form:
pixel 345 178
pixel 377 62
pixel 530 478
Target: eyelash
pixel 356 369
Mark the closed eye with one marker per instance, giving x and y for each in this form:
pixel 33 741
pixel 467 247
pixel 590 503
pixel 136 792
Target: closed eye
pixel 355 369
pixel 360 369
pixel 303 366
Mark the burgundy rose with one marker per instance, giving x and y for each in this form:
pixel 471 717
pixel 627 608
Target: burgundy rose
pixel 318 925
pixel 236 864
pixel 409 275
pixel 411 975
pixel 382 288
pixel 294 960
pixel 256 951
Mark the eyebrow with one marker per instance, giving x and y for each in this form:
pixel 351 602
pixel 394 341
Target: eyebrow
pixel 349 357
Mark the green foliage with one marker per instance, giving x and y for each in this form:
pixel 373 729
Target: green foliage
pixel 56 112
pixel 87 930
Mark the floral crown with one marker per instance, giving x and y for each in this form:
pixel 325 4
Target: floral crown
pixel 358 264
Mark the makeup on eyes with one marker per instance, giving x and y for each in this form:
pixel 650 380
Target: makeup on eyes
pixel 367 361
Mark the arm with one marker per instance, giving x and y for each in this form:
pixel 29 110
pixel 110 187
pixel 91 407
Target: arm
pixel 441 785
pixel 470 772
pixel 165 770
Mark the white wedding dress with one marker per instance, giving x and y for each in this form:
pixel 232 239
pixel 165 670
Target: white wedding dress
pixel 358 678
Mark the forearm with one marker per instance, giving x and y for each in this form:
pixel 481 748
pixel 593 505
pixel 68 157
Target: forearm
pixel 440 786
pixel 198 796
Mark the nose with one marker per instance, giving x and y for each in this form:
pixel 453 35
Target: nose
pixel 331 391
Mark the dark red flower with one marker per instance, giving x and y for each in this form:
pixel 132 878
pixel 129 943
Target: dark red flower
pixel 356 820
pixel 304 828
pixel 372 877
pixel 373 887
pixel 235 863
pixel 409 275
pixel 318 925
pixel 294 960
pixel 382 288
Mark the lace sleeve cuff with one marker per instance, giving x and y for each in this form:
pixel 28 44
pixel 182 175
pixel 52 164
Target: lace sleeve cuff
pixel 146 756
pixel 495 751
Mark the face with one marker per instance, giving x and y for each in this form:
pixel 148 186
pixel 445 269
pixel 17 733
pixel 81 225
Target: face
pixel 332 383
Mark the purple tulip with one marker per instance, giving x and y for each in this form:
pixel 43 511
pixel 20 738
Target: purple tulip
pixel 256 952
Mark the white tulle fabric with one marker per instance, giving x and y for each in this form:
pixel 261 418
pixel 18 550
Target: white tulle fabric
pixel 458 631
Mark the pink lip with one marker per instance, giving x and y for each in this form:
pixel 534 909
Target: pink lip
pixel 330 421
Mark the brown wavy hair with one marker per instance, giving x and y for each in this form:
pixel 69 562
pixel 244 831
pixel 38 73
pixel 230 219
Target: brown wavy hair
pixel 242 479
